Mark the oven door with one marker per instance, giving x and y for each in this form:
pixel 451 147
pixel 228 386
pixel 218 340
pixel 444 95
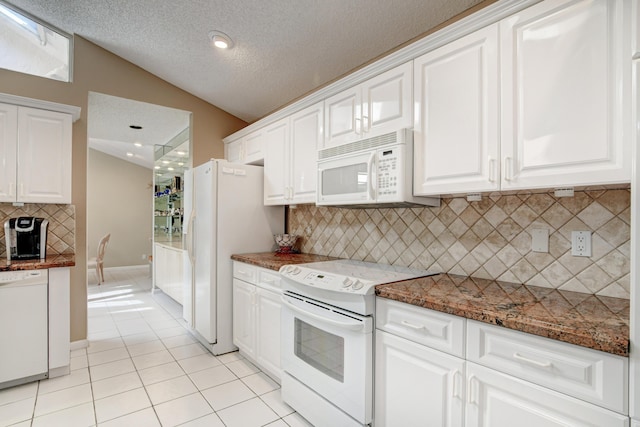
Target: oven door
pixel 347 180
pixel 331 352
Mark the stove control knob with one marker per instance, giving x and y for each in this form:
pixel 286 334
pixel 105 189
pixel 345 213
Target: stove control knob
pixel 347 282
pixel 287 269
pixel 358 285
pixel 295 270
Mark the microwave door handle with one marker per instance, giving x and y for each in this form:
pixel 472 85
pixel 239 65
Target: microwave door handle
pixel 353 326
pixel 372 183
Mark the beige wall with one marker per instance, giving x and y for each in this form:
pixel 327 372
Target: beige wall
pixel 119 201
pixel 97 70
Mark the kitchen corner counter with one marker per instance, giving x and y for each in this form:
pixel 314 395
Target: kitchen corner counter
pixel 53 261
pixel 600 323
pixel 274 260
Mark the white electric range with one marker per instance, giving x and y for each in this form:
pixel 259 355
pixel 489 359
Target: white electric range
pixel 327 337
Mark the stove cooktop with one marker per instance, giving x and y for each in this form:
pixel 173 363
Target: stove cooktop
pixel 349 276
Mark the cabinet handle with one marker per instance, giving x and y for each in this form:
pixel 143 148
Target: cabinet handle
pixel 412 325
pixel 472 397
pixel 366 126
pixel 507 169
pixel 457 377
pixel 358 126
pixel 492 169
pixel 268 281
pixel 537 363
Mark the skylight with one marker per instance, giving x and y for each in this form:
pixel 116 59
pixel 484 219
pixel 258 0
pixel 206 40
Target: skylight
pixel 30 46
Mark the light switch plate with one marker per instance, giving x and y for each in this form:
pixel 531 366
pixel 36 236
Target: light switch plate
pixel 540 240
pixel 581 243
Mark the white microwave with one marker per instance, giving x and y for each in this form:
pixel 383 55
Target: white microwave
pixel 371 173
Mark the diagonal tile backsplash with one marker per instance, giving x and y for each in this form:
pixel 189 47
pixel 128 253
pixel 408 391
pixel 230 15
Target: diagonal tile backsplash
pixel 489 239
pixel 61 237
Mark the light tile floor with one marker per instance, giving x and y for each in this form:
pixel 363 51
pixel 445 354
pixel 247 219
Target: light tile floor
pixel 143 368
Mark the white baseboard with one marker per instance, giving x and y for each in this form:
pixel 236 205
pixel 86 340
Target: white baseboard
pixel 58 372
pixel 77 345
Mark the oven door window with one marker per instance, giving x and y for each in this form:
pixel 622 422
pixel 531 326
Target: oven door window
pixel 320 349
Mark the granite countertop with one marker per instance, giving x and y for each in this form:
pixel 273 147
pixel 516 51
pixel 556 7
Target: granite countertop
pixel 600 323
pixel 274 260
pixel 53 261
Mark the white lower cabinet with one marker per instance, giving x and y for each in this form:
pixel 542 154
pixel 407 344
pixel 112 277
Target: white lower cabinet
pixel 168 271
pixel 59 321
pixel 268 331
pixel 526 380
pixel 256 316
pixel 416 385
pixel 244 317
pixel 498 400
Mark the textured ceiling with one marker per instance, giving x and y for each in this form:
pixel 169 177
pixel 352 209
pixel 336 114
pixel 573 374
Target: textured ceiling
pixel 283 48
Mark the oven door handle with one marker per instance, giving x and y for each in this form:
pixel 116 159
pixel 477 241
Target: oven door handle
pixel 353 326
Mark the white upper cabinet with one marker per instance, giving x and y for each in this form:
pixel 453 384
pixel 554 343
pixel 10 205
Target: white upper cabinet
pixel 456 128
pixel 290 169
pixel 276 163
pixel 565 95
pixel 380 105
pixel 246 150
pixel 8 151
pixel 233 151
pixel 35 148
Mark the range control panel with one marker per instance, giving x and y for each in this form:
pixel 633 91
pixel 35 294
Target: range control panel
pixel 389 172
pixel 322 280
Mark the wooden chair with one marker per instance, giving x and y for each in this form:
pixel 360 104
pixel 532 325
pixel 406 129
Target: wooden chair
pixel 98 261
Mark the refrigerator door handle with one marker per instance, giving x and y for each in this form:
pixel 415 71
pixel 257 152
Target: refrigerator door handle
pixel 190 240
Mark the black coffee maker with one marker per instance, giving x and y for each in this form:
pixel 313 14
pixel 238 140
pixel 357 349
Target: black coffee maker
pixel 26 237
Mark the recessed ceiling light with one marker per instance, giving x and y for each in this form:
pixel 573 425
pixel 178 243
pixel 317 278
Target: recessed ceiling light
pixel 136 127
pixel 180 164
pixel 165 162
pixel 220 40
pixel 157 167
pixel 169 169
pixel 137 144
pixel 129 154
pixel 181 153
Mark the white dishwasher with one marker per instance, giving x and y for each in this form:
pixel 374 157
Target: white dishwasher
pixel 24 342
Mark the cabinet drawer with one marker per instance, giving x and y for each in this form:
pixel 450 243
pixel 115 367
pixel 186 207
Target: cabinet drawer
pixel 437 330
pixel 590 375
pixel 269 279
pixel 246 272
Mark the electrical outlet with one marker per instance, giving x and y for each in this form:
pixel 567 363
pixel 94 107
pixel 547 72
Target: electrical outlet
pixel 581 243
pixel 144 256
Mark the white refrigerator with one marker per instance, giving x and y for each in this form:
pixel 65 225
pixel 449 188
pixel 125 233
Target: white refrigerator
pixel 226 215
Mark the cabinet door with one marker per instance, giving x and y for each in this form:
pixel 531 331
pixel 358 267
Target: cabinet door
pixel 244 317
pixel 252 146
pixel 306 137
pixel 496 400
pixel 59 320
pixel 416 385
pixel 44 156
pixel 234 151
pixel 8 144
pixel 386 101
pixel 342 113
pixel 456 127
pixel 268 332
pixel 565 95
pixel 276 161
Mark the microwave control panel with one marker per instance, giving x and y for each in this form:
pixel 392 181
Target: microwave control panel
pixel 389 172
